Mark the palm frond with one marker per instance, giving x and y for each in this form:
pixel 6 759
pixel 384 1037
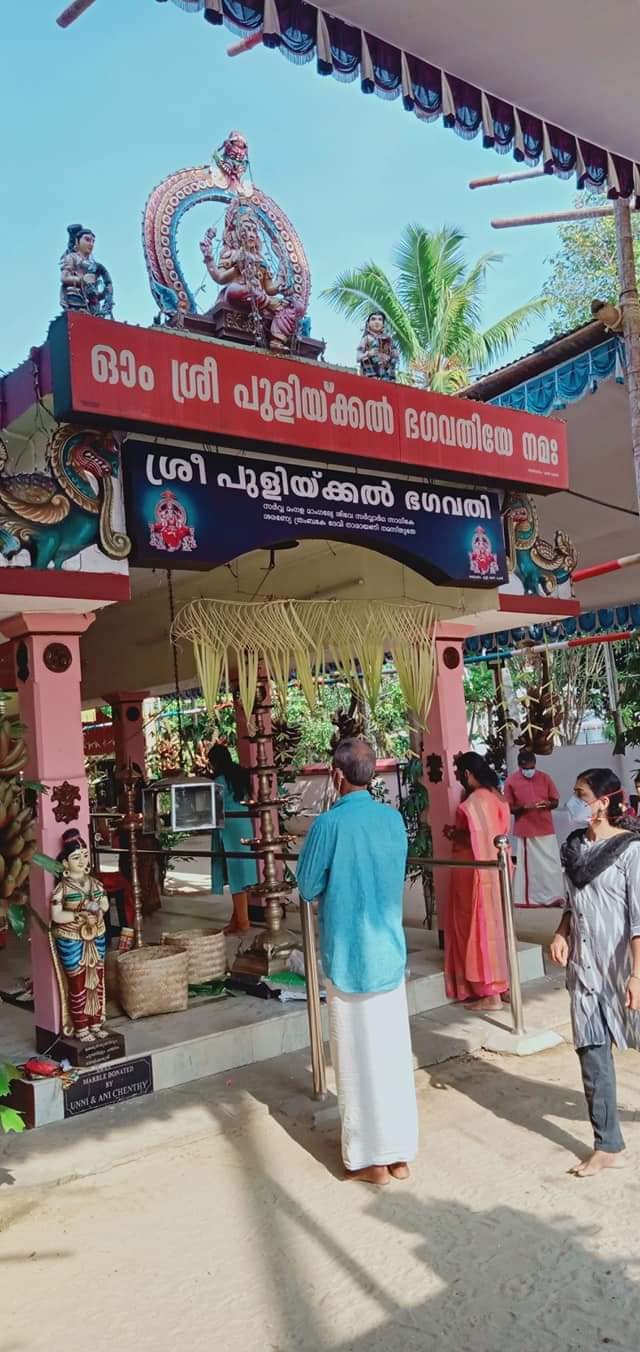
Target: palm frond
pixel 434 307
pixel 428 264
pixel 499 337
pixel 357 292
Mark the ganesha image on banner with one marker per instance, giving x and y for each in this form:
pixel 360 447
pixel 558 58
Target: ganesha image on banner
pixel 483 561
pixel 170 529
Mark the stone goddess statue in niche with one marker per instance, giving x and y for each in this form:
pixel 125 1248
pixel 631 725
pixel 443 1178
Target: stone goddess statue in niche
pixel 84 283
pixel 378 352
pixel 79 941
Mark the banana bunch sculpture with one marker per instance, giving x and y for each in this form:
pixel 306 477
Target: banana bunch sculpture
pixel 17 825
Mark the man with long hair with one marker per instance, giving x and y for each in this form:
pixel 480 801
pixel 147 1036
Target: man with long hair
pixel 353 862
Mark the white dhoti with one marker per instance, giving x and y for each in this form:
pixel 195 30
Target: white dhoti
pixel 539 880
pixel 373 1063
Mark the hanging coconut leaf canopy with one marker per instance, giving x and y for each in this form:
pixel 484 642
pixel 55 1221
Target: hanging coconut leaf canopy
pixel 306 637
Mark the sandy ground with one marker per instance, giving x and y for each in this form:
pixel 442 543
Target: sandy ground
pixel 213 1216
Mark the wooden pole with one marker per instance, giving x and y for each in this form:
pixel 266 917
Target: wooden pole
pixel 630 306
pixel 516 177
pixel 552 217
pixel 73 12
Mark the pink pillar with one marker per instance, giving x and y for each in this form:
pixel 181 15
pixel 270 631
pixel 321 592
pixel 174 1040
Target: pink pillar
pixel 446 735
pixel 47 656
pixel 126 712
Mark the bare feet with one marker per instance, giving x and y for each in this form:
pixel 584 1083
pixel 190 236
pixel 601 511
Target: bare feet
pixel 599 1160
pixel 235 928
pixel 378 1174
pixel 399 1170
pixel 489 1002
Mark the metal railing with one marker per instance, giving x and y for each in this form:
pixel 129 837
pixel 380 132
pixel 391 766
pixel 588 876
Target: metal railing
pixel 501 865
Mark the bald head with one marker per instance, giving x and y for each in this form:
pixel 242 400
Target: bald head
pixel 356 760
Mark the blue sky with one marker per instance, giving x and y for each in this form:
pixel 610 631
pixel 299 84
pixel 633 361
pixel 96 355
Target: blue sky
pixel 94 116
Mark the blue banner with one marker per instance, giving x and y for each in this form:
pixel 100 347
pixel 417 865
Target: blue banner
pixel 196 509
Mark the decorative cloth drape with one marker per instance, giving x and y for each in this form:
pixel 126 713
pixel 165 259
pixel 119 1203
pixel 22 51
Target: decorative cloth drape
pixel 305 636
pixel 591 622
pixel 565 384
pixel 302 32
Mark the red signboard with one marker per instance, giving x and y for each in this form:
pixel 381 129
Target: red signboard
pixel 99 741
pixel 160 379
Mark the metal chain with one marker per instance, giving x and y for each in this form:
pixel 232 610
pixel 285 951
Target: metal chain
pixel 176 669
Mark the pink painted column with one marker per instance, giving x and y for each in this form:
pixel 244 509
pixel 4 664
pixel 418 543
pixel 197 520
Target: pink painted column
pixel 47 658
pixel 446 735
pixel 128 732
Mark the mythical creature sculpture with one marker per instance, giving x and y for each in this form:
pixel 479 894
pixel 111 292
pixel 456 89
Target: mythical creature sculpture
pixel 231 161
pixel 56 515
pixel 541 567
pixel 378 352
pixel 266 233
pixel 247 283
pixel 79 941
pixel 84 283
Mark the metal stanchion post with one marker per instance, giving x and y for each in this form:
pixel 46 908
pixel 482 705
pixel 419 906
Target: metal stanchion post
pixel 506 892
pixel 318 1066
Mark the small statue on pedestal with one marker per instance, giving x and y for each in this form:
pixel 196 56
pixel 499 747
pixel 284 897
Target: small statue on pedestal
pixel 378 353
pixel 84 284
pixel 79 942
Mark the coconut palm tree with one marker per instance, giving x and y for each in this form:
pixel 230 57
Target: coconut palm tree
pixel 434 308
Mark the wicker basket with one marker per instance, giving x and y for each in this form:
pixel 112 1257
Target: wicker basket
pixel 153 980
pixel 206 950
pixel 111 981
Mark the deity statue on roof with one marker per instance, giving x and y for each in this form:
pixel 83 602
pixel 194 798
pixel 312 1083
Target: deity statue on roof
pixel 84 284
pixel 378 353
pixel 247 282
pixel 255 257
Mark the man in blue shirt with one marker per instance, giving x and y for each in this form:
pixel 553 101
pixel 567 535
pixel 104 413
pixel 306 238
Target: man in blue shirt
pixel 353 862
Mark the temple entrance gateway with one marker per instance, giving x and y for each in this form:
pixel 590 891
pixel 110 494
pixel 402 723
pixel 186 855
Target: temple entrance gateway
pixel 276 513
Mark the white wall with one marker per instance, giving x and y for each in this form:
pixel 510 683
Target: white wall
pixel 311 790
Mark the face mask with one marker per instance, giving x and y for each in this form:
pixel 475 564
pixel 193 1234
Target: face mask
pixel 579 811
pixel 528 774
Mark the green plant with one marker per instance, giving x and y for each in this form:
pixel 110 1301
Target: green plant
pixel 169 840
pixel 433 308
pixel 379 791
pixel 10 1120
pixel 413 807
pixel 585 267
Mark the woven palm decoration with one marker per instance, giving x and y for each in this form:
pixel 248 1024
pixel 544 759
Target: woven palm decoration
pixel 304 636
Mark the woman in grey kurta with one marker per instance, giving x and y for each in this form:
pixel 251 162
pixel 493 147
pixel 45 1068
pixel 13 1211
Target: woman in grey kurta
pixel 240 874
pixel 598 941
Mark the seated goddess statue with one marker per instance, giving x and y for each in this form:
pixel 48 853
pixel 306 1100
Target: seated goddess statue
pixel 246 281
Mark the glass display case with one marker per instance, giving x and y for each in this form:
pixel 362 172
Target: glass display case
pixel 186 805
